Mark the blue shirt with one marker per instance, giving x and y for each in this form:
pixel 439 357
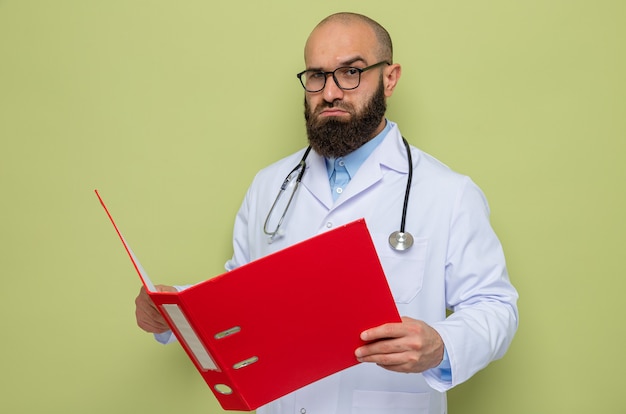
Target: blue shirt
pixel 342 169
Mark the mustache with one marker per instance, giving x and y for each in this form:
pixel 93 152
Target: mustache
pixel 334 104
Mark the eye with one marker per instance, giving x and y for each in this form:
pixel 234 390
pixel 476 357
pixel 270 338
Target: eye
pixel 349 72
pixel 315 75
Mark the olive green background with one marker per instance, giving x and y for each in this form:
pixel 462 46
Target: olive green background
pixel 170 107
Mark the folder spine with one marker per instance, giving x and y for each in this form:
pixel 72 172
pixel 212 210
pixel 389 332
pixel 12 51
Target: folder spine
pixel 215 372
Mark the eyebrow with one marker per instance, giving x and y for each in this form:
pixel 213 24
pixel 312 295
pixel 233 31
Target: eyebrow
pixel 348 62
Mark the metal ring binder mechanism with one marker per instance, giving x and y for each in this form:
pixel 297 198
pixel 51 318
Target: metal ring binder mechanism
pixel 222 323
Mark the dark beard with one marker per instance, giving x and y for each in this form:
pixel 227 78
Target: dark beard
pixel 334 138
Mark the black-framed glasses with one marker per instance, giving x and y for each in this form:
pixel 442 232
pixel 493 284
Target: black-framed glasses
pixel 346 77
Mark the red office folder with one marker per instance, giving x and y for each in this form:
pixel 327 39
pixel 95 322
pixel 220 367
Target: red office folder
pixel 281 322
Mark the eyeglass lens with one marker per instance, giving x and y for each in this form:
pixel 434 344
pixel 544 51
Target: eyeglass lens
pixel 346 78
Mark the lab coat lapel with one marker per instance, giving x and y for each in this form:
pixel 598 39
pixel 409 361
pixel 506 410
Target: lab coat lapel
pixel 315 179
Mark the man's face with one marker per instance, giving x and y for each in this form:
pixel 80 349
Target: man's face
pixel 340 121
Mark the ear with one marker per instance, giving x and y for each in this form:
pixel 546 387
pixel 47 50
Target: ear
pixel 391 76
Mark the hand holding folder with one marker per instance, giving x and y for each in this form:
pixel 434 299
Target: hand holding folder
pixel 281 322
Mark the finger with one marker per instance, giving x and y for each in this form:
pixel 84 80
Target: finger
pixel 382 347
pixel 388 330
pixel 151 323
pixel 395 359
pixel 166 288
pixel 150 327
pixel 404 368
pixel 147 315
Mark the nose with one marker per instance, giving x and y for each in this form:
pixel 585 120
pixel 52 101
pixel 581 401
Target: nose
pixel 332 91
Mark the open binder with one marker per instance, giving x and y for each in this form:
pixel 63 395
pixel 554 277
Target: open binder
pixel 281 322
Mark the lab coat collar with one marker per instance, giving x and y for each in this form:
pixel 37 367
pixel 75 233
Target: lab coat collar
pixel 391 153
pixel 315 179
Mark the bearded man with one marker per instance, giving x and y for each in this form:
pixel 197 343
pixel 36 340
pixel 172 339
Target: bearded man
pixel 450 282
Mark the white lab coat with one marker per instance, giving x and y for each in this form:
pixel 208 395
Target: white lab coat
pixel 456 263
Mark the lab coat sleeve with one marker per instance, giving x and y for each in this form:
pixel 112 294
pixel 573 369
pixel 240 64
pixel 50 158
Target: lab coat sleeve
pixel 241 248
pixel 478 291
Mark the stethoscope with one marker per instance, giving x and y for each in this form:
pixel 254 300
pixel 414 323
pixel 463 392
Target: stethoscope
pixel 399 240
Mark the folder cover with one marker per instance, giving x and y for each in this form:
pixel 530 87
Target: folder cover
pixel 283 321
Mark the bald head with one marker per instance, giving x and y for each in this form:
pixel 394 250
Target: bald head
pixel 383 45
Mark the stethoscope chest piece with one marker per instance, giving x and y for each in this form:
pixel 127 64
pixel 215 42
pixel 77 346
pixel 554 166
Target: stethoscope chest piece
pixel 400 240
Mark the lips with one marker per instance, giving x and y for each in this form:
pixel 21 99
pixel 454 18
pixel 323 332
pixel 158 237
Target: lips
pixel 334 109
pixel 333 112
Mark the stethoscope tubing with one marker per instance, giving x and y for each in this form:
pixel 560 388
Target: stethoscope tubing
pixel 398 240
pixel 407 191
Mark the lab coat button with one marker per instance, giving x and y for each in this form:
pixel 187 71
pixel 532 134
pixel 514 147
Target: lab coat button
pixel 302 410
pixel 339 190
pixel 329 225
